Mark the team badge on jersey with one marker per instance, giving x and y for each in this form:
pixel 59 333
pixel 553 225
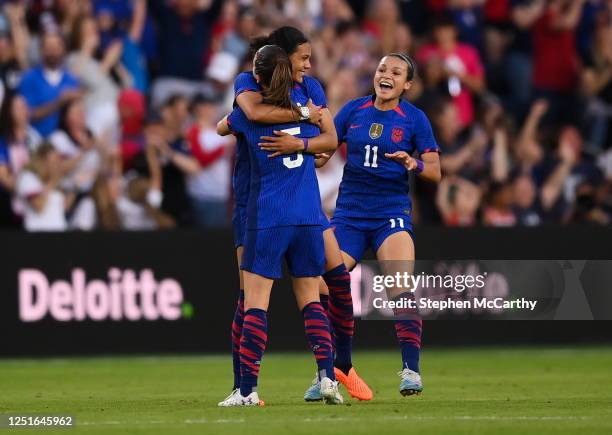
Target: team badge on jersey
pixel 376 130
pixel 397 134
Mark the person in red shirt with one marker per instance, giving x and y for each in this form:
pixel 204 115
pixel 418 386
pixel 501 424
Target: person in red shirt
pixel 555 57
pixel 463 69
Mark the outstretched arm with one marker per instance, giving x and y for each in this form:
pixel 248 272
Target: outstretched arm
pixel 428 167
pixel 284 143
pixel 255 110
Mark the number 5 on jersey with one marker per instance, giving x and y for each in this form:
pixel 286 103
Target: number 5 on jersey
pixel 299 158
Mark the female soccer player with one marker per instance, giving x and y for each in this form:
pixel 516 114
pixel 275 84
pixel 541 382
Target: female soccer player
pixel 283 222
pixel 373 209
pixel 305 91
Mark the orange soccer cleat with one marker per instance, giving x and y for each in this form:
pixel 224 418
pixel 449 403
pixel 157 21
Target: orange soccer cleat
pixel 355 386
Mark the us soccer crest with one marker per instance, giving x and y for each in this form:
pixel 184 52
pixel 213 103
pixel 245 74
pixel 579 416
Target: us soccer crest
pixel 376 130
pixel 397 134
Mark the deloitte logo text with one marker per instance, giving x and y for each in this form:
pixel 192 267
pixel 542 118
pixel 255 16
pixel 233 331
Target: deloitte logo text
pixel 124 297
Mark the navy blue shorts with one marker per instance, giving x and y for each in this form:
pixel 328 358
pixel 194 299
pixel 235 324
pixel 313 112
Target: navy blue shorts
pixel 356 235
pixel 301 246
pixel 239 224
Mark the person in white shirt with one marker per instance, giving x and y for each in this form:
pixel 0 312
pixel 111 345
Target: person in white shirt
pixel 44 205
pixel 209 187
pixel 82 154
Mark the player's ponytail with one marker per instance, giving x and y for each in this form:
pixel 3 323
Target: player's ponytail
pixel 273 67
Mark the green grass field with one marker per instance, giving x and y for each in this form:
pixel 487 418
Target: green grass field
pixel 536 391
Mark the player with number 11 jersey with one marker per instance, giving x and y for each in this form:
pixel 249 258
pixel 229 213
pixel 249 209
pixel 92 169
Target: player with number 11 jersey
pixel 374 210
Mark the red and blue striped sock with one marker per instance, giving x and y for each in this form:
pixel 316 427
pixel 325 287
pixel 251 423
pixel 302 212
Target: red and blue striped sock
pixel 340 314
pixel 236 334
pixel 252 348
pixel 408 329
pixel 409 337
pixel 316 326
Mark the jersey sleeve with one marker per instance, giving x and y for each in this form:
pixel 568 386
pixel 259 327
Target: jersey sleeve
pixel 235 122
pixel 342 119
pixel 423 138
pixel 315 92
pixel 245 82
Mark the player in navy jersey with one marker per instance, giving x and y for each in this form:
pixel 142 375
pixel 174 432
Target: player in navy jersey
pixel 283 222
pixel 306 92
pixel 374 209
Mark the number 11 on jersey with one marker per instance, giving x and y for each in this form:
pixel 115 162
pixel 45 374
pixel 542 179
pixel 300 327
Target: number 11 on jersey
pixel 367 162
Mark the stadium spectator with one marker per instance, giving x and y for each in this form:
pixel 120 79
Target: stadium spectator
pixel 526 204
pixel 101 96
pixel 463 70
pixel 209 187
pixel 184 32
pixel 14 42
pixel 49 87
pixel 381 23
pixel 83 155
pixel 570 169
pixel 469 19
pixel 463 151
pixel 332 13
pixel 597 84
pixel 132 110
pixel 123 33
pixel 138 206
pixel 236 41
pixel 17 140
pixel 114 206
pixel 170 153
pixel 555 57
pixel 458 201
pixel 43 203
pixel 592 205
pixel 498 209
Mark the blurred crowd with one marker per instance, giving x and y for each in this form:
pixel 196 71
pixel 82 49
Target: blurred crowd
pixel 109 107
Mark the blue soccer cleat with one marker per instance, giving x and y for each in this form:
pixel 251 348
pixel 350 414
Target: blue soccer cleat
pixel 411 382
pixel 313 393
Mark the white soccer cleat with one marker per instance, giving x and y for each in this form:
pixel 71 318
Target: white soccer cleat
pixel 330 393
pixel 236 399
pixel 230 399
pixel 313 393
pixel 411 382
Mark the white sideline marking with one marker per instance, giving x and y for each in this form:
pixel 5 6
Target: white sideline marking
pixel 352 419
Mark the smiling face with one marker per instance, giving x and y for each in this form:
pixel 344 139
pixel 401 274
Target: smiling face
pixel 300 61
pixel 391 78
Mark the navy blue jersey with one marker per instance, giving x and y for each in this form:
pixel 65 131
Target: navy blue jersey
pixel 245 82
pixel 283 191
pixel 374 186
